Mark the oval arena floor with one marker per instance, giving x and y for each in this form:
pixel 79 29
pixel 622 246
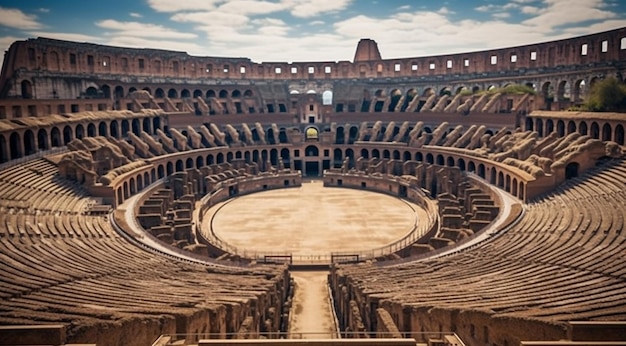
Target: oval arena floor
pixel 312 221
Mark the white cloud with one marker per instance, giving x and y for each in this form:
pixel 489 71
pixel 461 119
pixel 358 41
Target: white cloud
pixel 444 10
pixel 251 7
pixel 136 29
pixel 140 42
pixel 5 43
pixel 17 19
pixel 530 10
pixel 563 12
pixel 135 15
pixel 311 8
pixel 501 15
pixel 178 5
pixel 66 36
pixel 404 8
pixel 43 10
pixel 317 22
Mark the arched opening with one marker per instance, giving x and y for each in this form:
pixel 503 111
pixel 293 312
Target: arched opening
pixel 327 98
pixel 547 91
pixel 170 168
pixel 284 155
pixel 311 150
pixel 571 127
pixel 481 171
pixel 430 159
pixel 136 127
pixel 159 93
pixel 376 153
pixel 210 93
pixel 113 129
pixel 15 147
pixel 189 163
pixel 560 128
pixel 172 93
pixel 619 134
pixel 29 143
pixel 102 129
pixel 118 92
pixel 311 134
pixel 125 128
pixel 197 93
pixel 419 157
pixel 55 137
pixel 595 130
pixel 67 134
pixel 274 157
pixel 582 128
pixel 549 126
pixel 80 131
pixel 160 172
pixel 461 164
pixel 606 132
pixel 450 161
pixel 339 135
pixel 529 124
pixel 199 162
pixel 91 130
pixel 440 160
pixel 395 97
pixel 571 170
pixel 179 166
pixel 4 156
pixel 185 94
pixel 223 94
pixel 365 154
pixel 539 128
pixel 27 89
pixel 42 139
pixel 220 158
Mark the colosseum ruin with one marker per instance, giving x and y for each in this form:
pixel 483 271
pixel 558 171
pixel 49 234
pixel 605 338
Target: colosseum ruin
pixel 151 197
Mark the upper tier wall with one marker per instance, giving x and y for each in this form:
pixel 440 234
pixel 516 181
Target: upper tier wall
pixel 55 56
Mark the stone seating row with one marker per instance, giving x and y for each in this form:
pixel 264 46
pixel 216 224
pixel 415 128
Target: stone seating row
pixel 77 270
pixel 562 261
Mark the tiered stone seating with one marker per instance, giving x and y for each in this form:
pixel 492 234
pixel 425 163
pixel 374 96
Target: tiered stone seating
pixel 563 261
pixel 64 267
pixel 36 186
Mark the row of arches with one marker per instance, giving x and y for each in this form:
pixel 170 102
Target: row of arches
pixel 18 144
pixel 119 92
pixel 495 174
pixel 609 131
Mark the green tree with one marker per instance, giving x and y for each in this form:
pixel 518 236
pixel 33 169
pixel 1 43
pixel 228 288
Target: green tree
pixel 608 95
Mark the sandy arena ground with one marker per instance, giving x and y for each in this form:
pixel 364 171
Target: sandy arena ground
pixel 312 220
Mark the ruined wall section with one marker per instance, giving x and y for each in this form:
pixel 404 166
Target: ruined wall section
pixel 54 58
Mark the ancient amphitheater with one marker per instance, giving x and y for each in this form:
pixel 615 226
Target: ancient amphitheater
pixel 150 197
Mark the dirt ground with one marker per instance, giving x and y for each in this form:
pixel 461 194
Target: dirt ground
pixel 312 220
pixel 310 316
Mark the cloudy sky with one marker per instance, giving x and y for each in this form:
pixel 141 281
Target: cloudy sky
pixel 308 30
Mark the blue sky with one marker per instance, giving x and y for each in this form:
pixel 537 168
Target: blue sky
pixel 308 30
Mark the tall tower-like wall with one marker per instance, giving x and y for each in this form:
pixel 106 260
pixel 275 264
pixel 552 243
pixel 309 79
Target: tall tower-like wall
pixel 367 50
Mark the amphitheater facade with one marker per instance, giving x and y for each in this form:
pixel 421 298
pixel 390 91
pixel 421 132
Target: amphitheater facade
pixel 113 162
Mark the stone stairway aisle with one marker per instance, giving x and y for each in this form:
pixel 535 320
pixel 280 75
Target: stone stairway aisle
pixel 312 316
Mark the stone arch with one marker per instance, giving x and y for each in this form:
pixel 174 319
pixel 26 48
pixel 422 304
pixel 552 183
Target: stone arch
pixel 42 139
pixel 106 91
pixel 549 126
pixel 595 130
pixel 353 134
pixel 571 127
pixel 450 161
pixel 440 160
pixel 15 146
pixel 461 164
pixel 160 172
pixel 501 180
pixel 571 170
pixel 619 134
pixel 547 91
pixel 560 128
pixel 427 92
pixel 339 135
pixel 311 133
pixel 199 162
pixel 365 153
pixel 395 96
pixel 445 91
pixel 430 159
pixel 419 156
pixel 133 187
pixel 170 168
pixel 248 93
pixel 563 91
pixel 311 150
pixel 471 166
pixel 606 132
pixel 55 137
pixel 539 127
pixel 327 97
pixel 172 93
pixel 529 124
pixel 220 158
pixel 29 143
pixel 159 93
pixel 184 94
pixel 102 129
pixel 409 96
pixel 386 154
pixel 376 153
pixel 579 90
pixel 179 165
pixel 223 94
pixel 27 89
pixel 67 134
pixel 118 92
pixel 481 171
pixel 113 129
pixel 235 93
pixel 274 157
pixel 4 155
pixel 197 93
pixel 80 131
pixel 210 93
pixel 582 128
pixel 136 126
